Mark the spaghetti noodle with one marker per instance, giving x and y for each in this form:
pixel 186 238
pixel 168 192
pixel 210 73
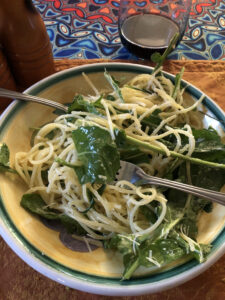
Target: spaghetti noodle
pixel 117 209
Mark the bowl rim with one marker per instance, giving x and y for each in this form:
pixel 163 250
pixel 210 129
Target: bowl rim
pixel 12 238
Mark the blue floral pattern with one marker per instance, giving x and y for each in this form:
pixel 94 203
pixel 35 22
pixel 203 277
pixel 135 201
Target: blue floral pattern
pixel 88 29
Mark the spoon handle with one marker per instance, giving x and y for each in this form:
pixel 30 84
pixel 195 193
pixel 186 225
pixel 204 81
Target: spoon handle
pixel 25 97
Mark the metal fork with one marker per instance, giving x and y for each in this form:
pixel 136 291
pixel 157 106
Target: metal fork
pixel 25 97
pixel 136 175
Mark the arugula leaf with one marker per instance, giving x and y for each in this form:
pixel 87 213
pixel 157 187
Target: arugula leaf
pixel 4 160
pixel 163 251
pixel 52 134
pixel 152 121
pixel 114 84
pixel 200 176
pixel 128 152
pixel 79 104
pixel 212 161
pixel 44 176
pixel 59 111
pixel 182 215
pixel 91 197
pixel 139 89
pixel 209 145
pixel 36 205
pixel 98 154
pixel 49 135
pixel 205 177
pixel 67 164
pixel 133 155
pixel 92 202
pixel 4 154
pixel 120 137
pixel 158 58
pixel 178 78
pixel 150 252
pixel 165 244
pixel 149 213
pixel 123 243
pixel 131 263
pixel 194 160
pixel 110 98
pixel 207 140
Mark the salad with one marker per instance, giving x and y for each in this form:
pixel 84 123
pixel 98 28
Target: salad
pixel 71 167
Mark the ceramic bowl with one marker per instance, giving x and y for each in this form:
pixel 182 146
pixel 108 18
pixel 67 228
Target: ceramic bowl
pixel 98 271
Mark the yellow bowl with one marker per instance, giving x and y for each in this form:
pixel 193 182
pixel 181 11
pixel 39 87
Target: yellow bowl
pixel 98 271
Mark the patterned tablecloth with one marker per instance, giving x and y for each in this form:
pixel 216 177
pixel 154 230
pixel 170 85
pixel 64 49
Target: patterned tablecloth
pixel 87 29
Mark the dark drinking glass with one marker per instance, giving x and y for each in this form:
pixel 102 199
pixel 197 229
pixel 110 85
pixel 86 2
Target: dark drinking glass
pixel 147 26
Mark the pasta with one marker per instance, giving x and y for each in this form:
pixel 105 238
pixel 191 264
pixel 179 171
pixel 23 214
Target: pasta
pixel 117 210
pixel 150 110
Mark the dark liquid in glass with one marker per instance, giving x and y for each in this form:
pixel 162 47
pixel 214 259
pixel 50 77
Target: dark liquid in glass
pixel 144 34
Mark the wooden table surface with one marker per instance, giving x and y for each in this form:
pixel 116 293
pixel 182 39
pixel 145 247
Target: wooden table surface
pixel 19 281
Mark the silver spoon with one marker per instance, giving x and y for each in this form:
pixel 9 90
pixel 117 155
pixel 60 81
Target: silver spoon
pixel 135 174
pixel 25 97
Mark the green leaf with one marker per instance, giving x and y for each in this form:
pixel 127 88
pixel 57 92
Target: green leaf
pixel 157 149
pixel 163 251
pixel 160 60
pixel 141 90
pixel 209 145
pixel 36 205
pixel 71 225
pixel 201 176
pixel 207 140
pixel 59 111
pixel 44 176
pixel 128 152
pixel 120 138
pixel 91 197
pixel 67 164
pixel 110 98
pixel 114 84
pixel 79 104
pixel 52 134
pixel 177 84
pixel 4 154
pixel 131 263
pixel 148 213
pixel 206 177
pixel 133 155
pixel 49 135
pixel 98 154
pixel 4 160
pixel 152 121
pixel 123 243
pixel 156 57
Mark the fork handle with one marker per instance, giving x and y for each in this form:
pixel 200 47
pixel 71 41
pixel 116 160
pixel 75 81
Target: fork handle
pixel 191 189
pixel 25 97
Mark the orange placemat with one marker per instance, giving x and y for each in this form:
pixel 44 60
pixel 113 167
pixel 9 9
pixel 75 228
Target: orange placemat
pixel 209 76
pixel 19 282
